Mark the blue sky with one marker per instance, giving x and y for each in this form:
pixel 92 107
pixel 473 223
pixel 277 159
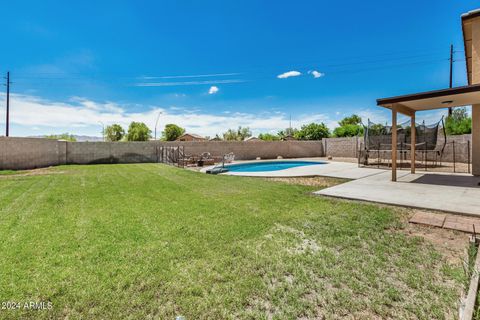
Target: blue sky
pixel 212 65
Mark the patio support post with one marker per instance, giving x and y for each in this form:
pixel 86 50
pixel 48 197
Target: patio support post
pixel 394 143
pixel 413 142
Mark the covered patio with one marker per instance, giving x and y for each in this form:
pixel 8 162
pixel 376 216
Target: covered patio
pixel 450 192
pixel 409 105
pixel 447 192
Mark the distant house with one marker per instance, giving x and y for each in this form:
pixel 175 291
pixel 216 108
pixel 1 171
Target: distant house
pixel 190 137
pixel 288 138
pixel 252 139
pixel 216 138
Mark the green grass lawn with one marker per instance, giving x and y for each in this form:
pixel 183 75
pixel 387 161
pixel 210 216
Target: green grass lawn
pixel 152 241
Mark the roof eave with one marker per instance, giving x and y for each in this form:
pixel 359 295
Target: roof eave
pixel 387 102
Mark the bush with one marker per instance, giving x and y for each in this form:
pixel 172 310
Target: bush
pixel 313 131
pixel 459 122
pixel 348 130
pixel 237 135
pixel 268 137
pixel 349 127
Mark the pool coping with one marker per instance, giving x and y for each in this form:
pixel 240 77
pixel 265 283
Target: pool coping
pixel 335 169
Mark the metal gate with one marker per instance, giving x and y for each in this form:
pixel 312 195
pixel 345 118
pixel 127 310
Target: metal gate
pixel 172 155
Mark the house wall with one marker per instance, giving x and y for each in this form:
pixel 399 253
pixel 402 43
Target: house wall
pixel 475 43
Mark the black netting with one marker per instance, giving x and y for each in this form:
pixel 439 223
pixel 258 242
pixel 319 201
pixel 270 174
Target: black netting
pixel 379 136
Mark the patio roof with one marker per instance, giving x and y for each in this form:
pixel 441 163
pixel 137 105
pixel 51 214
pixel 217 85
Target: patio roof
pixel 452 97
pixel 467 19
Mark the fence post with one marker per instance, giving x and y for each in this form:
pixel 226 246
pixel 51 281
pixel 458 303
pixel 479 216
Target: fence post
pixel 356 146
pixel 454 157
pixel 468 157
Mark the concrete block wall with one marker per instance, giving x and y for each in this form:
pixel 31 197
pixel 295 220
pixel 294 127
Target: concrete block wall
pixel 349 147
pixel 249 150
pixel 461 144
pixel 29 153
pixel 111 152
pixel 342 147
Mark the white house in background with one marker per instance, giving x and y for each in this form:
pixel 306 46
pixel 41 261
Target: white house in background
pixel 253 139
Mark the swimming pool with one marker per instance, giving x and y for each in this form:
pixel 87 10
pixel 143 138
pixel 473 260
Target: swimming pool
pixel 270 165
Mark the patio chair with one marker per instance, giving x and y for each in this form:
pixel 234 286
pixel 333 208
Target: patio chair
pixel 206 159
pixel 229 157
pixel 187 160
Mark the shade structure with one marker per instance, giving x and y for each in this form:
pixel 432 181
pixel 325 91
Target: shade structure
pixel 411 103
pixel 438 99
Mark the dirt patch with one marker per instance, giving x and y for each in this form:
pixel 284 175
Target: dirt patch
pixel 453 245
pixel 323 182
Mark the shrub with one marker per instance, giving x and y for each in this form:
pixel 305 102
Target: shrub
pixel 459 122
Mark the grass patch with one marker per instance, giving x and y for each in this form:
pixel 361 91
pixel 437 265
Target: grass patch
pixel 152 241
pixel 10 172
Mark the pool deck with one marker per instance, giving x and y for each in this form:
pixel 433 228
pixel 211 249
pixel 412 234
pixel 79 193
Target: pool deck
pixel 447 192
pixel 334 169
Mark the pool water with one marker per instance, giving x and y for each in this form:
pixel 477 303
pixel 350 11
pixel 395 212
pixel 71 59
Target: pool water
pixel 270 165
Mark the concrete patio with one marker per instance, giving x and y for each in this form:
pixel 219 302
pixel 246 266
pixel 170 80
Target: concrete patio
pixel 455 193
pixel 346 170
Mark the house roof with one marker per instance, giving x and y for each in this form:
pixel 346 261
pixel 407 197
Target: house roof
pixel 452 97
pixel 191 135
pixel 467 39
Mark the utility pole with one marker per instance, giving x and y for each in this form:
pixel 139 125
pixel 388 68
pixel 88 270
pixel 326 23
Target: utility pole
pixel 156 123
pixel 7 126
pixel 450 109
pixel 103 130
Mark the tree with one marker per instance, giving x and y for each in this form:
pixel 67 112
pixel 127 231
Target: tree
pixel 268 137
pixel 349 127
pixel 349 130
pixel 459 122
pixel 282 134
pixel 115 132
pixel 138 131
pixel 237 135
pixel 172 132
pixel 353 119
pixel 63 136
pixel 313 131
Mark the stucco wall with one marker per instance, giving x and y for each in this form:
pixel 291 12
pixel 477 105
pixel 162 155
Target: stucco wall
pixel 28 153
pixel 24 153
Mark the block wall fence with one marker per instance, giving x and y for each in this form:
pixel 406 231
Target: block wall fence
pixel 29 153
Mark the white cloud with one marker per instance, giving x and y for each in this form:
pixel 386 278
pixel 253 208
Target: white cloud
pixel 316 74
pixel 213 90
pixel 31 115
pixel 289 74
